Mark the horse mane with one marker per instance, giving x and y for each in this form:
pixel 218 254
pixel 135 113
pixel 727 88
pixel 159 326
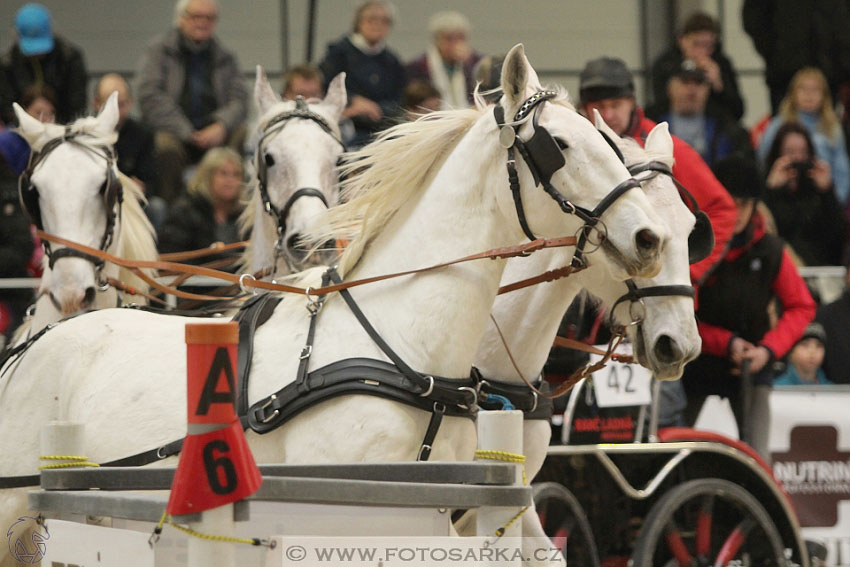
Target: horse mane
pixel 137 240
pixel 387 173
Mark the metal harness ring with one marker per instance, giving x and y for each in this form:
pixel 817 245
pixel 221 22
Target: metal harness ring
pixel 242 283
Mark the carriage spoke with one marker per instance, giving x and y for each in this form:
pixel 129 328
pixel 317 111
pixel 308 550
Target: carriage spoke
pixel 676 545
pixel 733 543
pixel 703 527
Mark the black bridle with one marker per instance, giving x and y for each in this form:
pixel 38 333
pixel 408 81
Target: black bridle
pixel 544 156
pixel 700 245
pixel 111 191
pixel 264 161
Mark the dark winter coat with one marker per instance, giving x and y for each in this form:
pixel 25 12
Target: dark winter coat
pixel 728 100
pixel 63 70
pixel 380 78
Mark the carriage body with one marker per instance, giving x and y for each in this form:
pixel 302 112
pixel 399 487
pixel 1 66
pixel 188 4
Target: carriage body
pixel 625 494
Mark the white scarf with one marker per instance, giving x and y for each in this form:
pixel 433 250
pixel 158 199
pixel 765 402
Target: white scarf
pixel 360 43
pixel 452 89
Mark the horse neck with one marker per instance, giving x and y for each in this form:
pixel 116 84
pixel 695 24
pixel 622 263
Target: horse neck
pixel 527 318
pixel 445 309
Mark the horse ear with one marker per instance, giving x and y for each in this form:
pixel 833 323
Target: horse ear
pixel 659 140
pixel 264 94
pixel 107 120
pixel 31 129
pixel 518 76
pixel 602 126
pixel 336 96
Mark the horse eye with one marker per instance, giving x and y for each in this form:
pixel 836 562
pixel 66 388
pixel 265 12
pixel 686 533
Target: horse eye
pixel 269 159
pixel 561 144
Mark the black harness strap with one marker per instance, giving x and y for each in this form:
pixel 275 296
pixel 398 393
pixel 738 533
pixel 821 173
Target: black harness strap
pixel 513 178
pixel 252 315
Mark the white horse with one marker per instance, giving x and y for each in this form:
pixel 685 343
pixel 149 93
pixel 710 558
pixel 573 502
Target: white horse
pixel 665 340
pixel 428 191
pixel 72 192
pixel 296 175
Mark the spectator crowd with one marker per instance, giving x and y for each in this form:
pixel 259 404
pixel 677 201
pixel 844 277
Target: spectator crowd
pixel 778 196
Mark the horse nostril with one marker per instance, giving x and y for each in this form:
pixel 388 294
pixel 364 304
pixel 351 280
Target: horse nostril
pixel 88 296
pixel 667 350
pixel 646 240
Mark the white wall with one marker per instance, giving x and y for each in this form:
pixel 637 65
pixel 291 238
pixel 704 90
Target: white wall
pixel 559 35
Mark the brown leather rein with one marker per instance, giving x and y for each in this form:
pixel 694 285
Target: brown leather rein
pixel 249 280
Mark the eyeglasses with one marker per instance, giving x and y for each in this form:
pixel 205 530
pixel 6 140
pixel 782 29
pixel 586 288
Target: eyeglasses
pixel 196 17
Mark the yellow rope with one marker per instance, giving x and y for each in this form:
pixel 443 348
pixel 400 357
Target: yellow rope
pixel 503 456
pixel 79 461
pixel 210 537
pixel 506 457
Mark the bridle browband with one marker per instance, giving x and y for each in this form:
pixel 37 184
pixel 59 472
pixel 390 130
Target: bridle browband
pixel 263 162
pixel 543 156
pixel 111 190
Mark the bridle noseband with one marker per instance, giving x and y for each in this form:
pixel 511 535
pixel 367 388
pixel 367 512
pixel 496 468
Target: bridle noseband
pixel 544 157
pixel 112 192
pixel 700 244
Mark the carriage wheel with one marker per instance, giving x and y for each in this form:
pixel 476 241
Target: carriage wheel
pixel 564 520
pixel 708 522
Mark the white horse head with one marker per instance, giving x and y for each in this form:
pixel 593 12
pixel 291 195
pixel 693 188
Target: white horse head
pixel 74 190
pixel 662 328
pixel 296 165
pixel 635 238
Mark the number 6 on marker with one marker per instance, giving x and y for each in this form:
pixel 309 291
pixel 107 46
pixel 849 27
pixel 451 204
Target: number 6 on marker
pixel 213 464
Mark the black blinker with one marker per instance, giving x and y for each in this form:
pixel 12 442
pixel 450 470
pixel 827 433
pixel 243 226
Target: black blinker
pixel 701 239
pixel 545 153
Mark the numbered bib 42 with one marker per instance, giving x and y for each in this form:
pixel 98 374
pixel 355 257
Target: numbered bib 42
pixel 621 384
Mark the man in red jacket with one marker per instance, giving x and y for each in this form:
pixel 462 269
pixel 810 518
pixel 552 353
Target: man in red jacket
pixel 606 85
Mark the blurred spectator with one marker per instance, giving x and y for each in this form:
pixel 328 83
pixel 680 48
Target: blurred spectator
pixel 190 92
pixel 711 132
pixel 792 34
pixel 805 359
pixel 135 151
pixel 16 240
pixel 375 77
pixel 488 75
pixel 303 80
pixel 41 58
pixel 606 85
pixel 419 98
pixel 735 327
pixel 808 101
pixel 209 211
pixel 835 318
pixel 699 41
pixel 449 61
pixel 40 102
pixel 801 199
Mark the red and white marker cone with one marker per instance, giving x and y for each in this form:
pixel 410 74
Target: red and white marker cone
pixel 216 466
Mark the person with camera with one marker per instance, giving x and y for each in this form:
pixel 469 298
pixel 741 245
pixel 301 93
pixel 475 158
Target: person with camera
pixel 801 197
pixel 808 102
